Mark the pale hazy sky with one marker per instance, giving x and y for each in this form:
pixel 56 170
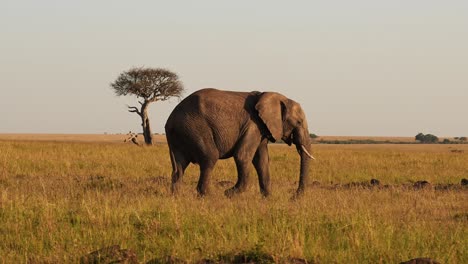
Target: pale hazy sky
pixel 365 67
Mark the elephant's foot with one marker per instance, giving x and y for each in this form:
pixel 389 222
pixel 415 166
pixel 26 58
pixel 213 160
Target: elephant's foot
pixel 265 193
pixel 202 191
pixel 298 194
pixel 232 192
pixel 201 195
pixel 174 189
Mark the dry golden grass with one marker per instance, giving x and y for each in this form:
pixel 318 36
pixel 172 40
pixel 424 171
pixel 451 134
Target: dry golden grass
pixel 108 138
pixel 61 200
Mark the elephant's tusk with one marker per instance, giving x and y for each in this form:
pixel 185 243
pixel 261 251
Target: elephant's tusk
pixel 306 152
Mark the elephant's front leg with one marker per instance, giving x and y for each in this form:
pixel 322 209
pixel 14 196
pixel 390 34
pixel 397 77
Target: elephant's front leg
pixel 261 162
pixel 243 156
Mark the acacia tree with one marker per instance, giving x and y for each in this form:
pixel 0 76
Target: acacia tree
pixel 148 85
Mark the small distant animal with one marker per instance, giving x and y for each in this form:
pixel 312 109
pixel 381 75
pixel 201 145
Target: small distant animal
pixel 132 137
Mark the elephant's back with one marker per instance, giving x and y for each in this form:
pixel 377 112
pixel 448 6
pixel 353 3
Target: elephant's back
pixel 210 117
pixel 209 103
pixel 187 106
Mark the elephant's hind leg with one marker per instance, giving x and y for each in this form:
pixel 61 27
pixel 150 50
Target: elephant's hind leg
pixel 179 164
pixel 206 168
pixel 242 177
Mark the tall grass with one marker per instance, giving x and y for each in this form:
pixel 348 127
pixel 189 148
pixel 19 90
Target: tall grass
pixel 59 201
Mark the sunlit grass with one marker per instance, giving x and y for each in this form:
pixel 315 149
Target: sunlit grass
pixel 59 201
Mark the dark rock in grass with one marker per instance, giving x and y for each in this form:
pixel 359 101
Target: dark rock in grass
pixel 207 261
pixel 374 182
pixel 447 187
pixel 461 217
pixel 387 186
pixel 112 254
pixel 364 185
pixel 420 261
pixel 422 185
pixel 247 258
pixel 464 182
pixel 297 261
pixel 253 257
pixel 169 260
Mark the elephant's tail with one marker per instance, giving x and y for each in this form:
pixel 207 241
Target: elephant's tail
pixel 171 152
pixel 173 161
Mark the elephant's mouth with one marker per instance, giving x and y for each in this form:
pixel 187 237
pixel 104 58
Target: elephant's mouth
pixel 288 140
pixel 301 149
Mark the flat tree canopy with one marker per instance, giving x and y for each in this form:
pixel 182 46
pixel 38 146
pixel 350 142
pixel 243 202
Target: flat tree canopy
pixel 151 84
pixel 148 85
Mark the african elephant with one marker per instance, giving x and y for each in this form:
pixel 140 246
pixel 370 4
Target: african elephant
pixel 212 124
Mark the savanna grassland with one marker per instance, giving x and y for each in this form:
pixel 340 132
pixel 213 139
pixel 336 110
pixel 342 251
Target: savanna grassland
pixel 62 200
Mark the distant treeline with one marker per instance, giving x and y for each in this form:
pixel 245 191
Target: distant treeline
pixel 370 141
pixel 420 139
pixel 361 141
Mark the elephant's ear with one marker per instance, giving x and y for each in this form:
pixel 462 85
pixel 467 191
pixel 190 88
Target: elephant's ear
pixel 270 108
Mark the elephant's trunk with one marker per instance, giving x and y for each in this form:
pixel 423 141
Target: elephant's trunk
pixel 304 172
pixel 302 142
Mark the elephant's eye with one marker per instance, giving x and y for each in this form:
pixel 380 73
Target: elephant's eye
pixel 299 122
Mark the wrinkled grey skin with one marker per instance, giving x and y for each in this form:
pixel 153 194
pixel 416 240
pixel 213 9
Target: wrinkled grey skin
pixel 212 124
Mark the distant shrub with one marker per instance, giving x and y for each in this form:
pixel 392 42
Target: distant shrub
pixel 446 141
pixel 427 138
pixel 420 137
pixel 313 135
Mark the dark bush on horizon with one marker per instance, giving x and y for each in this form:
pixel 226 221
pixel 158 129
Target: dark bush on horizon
pixel 426 138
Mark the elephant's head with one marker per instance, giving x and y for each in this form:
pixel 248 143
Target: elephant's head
pixel 286 120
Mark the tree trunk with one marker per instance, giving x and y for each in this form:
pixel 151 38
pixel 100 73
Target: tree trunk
pixel 145 122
